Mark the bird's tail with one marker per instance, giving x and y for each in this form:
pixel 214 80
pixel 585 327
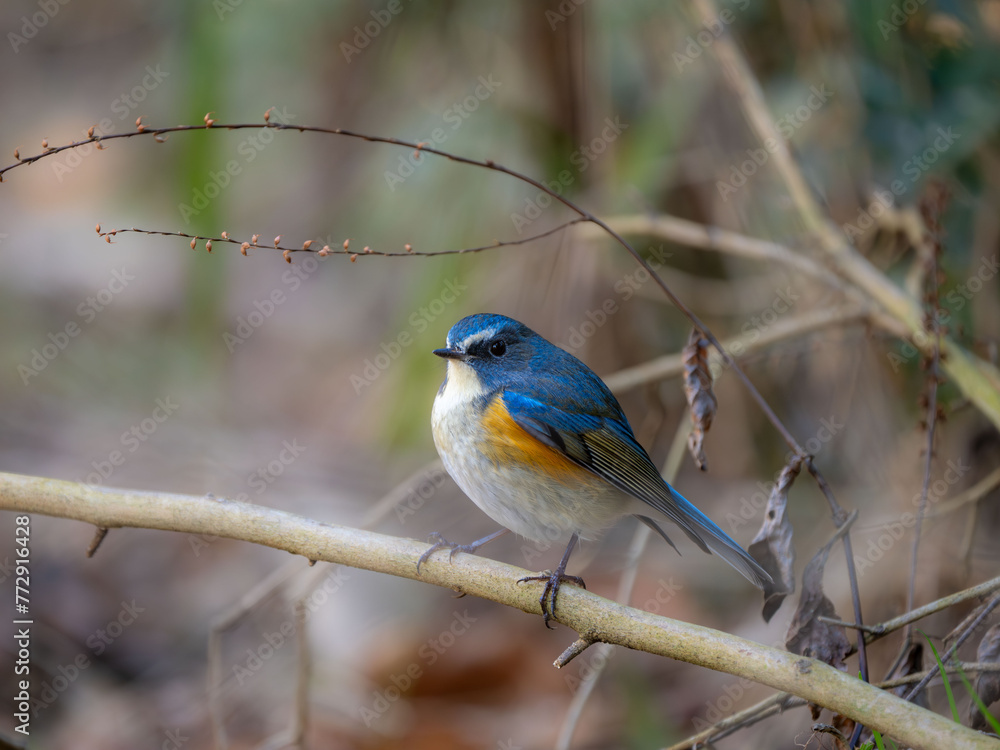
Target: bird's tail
pixel 704 532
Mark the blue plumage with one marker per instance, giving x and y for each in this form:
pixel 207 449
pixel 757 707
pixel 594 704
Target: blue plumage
pixel 513 418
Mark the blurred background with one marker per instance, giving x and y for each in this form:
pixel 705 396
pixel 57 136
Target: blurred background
pixel 307 387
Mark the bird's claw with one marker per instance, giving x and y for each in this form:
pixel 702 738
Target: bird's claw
pixel 548 597
pixel 441 543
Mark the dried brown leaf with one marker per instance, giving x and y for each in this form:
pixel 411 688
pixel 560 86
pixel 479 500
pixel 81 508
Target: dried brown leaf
pixel 772 547
pixel 988 683
pixel 807 634
pixel 912 663
pixel 698 391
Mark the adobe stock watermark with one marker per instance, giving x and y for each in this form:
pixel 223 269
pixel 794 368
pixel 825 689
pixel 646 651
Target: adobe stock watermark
pixel 122 106
pixel 914 168
pixel 87 312
pixel 131 440
pixel 418 496
pixel 894 531
pixel 732 693
pixel 591 661
pixel 225 7
pixel 273 641
pixel 721 707
pixel 266 475
pixel 249 149
pixel 363 35
pixel 174 740
pixel 259 481
pixel 625 288
pixel 429 652
pixel 98 642
pixel 782 302
pixel 531 550
pixel 698 43
pixel 787 125
pixel 582 158
pixel 455 115
pixel 596 657
pixel 563 11
pixel 6 569
pixel 952 301
pixel 264 309
pixel 749 507
pixel 899 14
pixel 419 321
pixel 30 25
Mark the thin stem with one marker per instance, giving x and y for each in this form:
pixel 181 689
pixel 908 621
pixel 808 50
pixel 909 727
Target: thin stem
pixel 972 495
pixel 974 592
pixel 670 365
pixel 625 588
pixel 324 250
pixel 989 607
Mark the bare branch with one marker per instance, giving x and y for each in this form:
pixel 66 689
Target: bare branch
pixel 693 234
pixel 593 617
pixel 309 246
pixel 946 657
pixel 671 365
pixel 974 494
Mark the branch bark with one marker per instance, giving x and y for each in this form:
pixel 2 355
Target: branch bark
pixel 593 617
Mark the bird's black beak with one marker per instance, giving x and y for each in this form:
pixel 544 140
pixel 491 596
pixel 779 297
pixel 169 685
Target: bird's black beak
pixel 452 354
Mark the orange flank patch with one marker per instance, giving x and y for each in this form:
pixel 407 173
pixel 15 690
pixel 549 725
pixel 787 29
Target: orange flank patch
pixel 505 442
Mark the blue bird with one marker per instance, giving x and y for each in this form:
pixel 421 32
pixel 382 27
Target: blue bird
pixel 537 440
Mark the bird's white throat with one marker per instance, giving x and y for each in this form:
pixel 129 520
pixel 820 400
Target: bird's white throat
pixel 462 385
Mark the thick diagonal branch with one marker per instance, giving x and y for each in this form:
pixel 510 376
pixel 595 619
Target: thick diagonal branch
pixel 593 617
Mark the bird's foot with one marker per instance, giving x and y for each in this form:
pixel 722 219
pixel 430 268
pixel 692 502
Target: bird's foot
pixel 441 543
pixel 553 580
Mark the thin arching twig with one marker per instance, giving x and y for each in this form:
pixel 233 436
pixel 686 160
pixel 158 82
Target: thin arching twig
pixel 311 246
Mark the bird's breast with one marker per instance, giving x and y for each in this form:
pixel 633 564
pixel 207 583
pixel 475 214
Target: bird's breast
pixel 516 479
pixel 504 443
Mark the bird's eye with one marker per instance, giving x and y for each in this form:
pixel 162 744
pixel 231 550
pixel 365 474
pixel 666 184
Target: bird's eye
pixel 498 348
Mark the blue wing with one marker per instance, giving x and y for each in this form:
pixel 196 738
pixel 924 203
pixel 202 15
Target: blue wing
pixel 602 443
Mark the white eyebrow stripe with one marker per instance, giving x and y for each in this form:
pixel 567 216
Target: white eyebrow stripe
pixel 471 339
